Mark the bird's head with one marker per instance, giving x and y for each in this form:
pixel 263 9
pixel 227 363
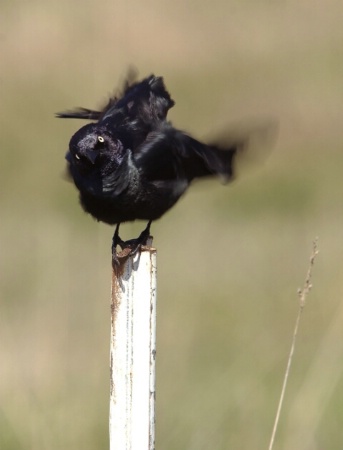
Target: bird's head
pixel 93 146
pixel 93 153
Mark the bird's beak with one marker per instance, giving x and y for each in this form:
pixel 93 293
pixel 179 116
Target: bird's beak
pixel 91 155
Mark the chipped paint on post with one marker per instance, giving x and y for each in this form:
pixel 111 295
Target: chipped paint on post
pixel 133 352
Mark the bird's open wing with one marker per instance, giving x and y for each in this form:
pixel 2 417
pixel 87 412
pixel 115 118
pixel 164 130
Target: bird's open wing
pixel 139 106
pixel 168 154
pixel 147 101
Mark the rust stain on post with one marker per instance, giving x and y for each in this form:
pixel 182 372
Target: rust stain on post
pixel 117 273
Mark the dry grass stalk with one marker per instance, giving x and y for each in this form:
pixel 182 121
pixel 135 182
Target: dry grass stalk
pixel 302 301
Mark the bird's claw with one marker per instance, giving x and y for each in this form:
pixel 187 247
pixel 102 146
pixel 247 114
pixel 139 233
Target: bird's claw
pixel 130 247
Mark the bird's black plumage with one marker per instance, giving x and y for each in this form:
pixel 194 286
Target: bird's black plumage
pixel 132 163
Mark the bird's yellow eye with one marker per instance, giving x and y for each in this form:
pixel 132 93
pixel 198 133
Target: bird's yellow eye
pixel 101 139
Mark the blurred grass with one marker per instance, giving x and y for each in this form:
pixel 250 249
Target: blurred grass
pixel 230 259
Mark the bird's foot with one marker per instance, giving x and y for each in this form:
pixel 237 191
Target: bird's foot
pixel 130 247
pixel 116 240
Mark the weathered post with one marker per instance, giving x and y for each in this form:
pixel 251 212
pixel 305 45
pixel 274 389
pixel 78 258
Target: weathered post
pixel 133 351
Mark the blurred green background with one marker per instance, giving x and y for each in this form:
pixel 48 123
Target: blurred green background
pixel 230 259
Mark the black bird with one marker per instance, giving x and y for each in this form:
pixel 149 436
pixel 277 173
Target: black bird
pixel 132 164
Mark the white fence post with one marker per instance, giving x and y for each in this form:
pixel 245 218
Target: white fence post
pixel 132 353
